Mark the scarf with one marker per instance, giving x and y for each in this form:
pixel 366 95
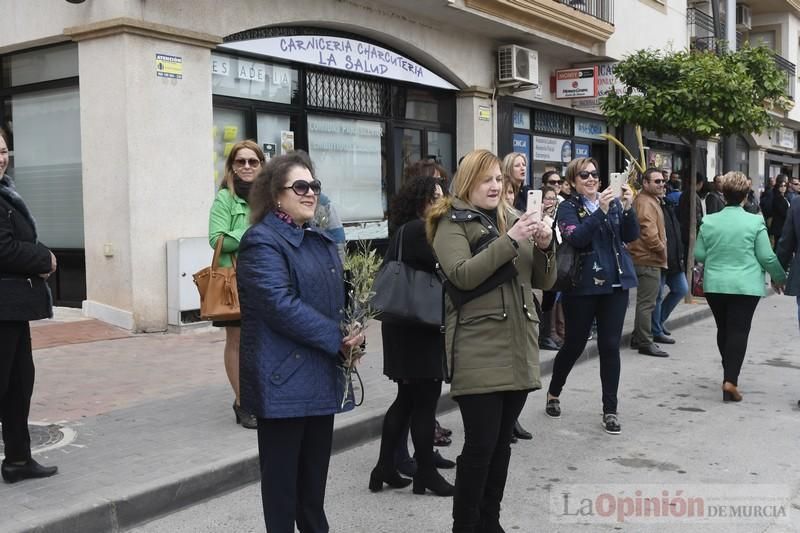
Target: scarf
pixel 242 188
pixel 9 192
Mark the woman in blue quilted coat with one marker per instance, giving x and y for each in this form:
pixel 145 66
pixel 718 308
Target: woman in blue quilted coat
pixel 291 290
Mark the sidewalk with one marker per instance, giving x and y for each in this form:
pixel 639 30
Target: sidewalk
pixel 148 426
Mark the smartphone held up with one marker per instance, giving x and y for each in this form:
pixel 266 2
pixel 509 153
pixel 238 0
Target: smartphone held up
pixel 615 182
pixel 534 208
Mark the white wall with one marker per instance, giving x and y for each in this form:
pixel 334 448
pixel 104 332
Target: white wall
pixel 647 24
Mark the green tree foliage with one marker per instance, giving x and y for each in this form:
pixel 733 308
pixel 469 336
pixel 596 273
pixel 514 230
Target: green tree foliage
pixel 697 95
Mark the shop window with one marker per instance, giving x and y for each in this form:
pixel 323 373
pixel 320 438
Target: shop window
pixel 47 163
pixel 242 77
pixel 274 134
pixel 440 147
pixel 339 93
pixel 228 129
pixel 45 64
pixel 407 150
pixel 348 156
pixel 522 118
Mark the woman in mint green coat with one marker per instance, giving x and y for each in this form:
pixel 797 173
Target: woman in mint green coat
pixel 735 249
pixel 228 220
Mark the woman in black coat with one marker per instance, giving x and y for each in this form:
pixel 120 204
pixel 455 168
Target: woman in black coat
pixel 412 354
pixel 25 264
pixel 780 208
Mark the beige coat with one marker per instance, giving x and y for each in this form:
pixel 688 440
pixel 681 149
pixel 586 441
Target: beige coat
pixel 492 341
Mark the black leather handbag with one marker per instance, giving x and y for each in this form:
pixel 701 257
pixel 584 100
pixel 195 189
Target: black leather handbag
pixel 568 267
pixel 406 295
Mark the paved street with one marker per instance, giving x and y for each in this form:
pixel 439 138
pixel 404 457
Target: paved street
pixel 677 434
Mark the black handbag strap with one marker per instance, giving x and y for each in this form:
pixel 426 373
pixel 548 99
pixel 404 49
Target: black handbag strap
pixel 400 243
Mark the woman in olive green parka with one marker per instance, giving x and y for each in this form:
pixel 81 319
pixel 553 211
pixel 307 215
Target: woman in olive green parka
pixel 492 339
pixel 228 220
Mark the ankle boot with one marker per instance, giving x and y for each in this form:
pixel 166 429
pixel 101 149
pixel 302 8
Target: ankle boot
pixel 381 475
pixel 431 479
pixel 493 491
pixel 470 482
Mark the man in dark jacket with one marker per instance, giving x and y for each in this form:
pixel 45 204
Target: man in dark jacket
pixel 788 251
pixel 25 263
pixel 715 202
pixel 673 277
pixel 683 212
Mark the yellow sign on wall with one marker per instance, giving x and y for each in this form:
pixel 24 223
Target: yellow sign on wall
pixel 169 66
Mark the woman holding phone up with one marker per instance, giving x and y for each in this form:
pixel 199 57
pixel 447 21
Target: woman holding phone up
pixel 598 226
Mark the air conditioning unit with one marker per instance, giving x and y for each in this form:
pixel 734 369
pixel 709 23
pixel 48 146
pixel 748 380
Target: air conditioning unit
pixel 518 64
pixel 744 18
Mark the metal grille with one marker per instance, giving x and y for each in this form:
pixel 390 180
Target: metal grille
pixel 552 122
pixel 329 91
pixel 600 9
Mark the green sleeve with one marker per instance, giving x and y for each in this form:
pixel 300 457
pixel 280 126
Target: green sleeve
pixel 544 267
pixel 767 258
pixel 219 223
pixel 700 247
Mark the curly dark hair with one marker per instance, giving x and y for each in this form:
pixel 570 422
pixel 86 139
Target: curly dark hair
pixel 410 202
pixel 270 182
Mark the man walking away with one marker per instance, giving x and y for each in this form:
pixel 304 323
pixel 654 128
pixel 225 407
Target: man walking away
pixel 649 253
pixel 715 202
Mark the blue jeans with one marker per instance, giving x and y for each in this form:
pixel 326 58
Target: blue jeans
pixel 678 287
pixel 798 311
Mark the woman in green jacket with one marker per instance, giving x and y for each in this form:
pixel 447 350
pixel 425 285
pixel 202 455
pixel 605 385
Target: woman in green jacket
pixel 493 260
pixel 228 220
pixel 735 249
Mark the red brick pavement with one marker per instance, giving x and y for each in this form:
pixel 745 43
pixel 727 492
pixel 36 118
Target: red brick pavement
pixel 47 334
pixel 81 380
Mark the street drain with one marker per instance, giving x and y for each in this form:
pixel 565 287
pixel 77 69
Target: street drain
pixel 45 437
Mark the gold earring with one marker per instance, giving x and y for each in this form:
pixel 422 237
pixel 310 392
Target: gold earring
pixel 279 205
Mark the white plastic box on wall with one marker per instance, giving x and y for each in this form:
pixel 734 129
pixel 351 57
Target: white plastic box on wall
pixel 185 257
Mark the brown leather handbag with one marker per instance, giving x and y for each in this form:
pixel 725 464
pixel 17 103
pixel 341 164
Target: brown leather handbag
pixel 219 296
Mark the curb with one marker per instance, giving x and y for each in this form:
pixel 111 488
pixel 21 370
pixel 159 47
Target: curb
pixel 165 496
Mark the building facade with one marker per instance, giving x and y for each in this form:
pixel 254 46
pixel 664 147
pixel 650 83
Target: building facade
pixel 122 111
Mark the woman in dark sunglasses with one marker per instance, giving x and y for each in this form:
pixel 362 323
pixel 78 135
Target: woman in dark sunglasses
pixel 598 226
pixel 291 289
pixel 228 220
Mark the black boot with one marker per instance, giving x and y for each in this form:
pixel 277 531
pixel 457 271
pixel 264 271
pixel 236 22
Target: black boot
pixel 432 480
pixel 470 481
pixel 493 492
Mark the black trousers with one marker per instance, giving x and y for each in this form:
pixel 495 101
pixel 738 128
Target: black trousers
pixel 483 464
pixel 294 454
pixel 579 313
pixel 733 314
pixel 414 406
pixel 16 388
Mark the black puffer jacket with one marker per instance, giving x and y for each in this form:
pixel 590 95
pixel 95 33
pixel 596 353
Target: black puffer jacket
pixel 25 295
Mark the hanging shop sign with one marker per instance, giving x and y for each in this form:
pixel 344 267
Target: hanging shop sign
pixel 606 82
pixel 551 149
pixel 576 82
pixel 589 129
pixel 342 54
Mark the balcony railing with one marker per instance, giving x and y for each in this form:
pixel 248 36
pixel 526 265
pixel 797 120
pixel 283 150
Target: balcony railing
pixel 701 31
pixel 790 72
pixel 600 9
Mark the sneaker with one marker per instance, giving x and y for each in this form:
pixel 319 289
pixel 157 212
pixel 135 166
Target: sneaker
pixel 611 424
pixel 553 408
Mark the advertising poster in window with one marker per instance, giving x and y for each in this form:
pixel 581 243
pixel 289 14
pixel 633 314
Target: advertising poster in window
pixel 348 161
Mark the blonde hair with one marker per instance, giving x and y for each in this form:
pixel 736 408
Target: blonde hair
pixel 734 187
pixel 471 171
pixel 507 167
pixel 473 168
pixel 227 180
